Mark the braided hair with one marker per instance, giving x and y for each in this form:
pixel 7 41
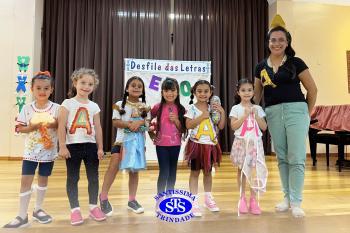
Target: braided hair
pixel 200 82
pixel 126 94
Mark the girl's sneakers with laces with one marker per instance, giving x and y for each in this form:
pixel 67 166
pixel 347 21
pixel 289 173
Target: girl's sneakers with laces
pixel 210 203
pixel 135 207
pixel 196 210
pixel 97 214
pixel 106 207
pixel 76 218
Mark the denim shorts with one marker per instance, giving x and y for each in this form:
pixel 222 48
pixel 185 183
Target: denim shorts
pixel 29 167
pixel 116 149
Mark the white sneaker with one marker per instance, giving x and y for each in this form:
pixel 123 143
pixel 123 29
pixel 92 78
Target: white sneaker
pixel 210 203
pixel 196 210
pixel 282 206
pixel 297 211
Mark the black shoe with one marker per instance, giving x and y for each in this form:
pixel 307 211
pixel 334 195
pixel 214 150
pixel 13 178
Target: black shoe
pixel 106 207
pixel 21 223
pixel 42 218
pixel 135 206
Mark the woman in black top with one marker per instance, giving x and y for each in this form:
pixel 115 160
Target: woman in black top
pixel 287 112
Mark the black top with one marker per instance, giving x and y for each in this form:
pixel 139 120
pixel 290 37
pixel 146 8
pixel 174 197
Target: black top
pixel 283 86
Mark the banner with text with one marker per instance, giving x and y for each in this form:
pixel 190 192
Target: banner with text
pixel 154 72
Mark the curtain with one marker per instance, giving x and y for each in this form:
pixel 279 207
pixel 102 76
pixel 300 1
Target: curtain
pixel 229 33
pixel 99 35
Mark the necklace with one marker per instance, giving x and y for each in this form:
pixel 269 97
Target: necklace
pixel 275 68
pixel 132 103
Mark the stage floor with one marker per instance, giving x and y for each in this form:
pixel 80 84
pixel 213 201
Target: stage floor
pixel 326 202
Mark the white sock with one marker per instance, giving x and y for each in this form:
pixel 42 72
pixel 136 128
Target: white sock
pixel 207 194
pixel 92 206
pixel 40 195
pixel 74 209
pixel 24 199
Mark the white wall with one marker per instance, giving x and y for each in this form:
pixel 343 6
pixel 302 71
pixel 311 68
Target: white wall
pixel 20 25
pixel 321 36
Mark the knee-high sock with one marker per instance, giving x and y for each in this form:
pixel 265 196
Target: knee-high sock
pixel 40 195
pixel 24 199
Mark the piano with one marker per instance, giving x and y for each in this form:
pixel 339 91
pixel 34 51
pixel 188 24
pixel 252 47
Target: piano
pixel 330 125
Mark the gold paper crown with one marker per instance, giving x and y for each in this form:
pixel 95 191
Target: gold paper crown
pixel 277 21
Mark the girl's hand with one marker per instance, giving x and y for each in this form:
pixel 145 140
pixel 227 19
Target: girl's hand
pixel 134 125
pixel 247 111
pixel 34 127
pixel 218 107
pixel 64 152
pixel 173 117
pixel 205 115
pixel 100 154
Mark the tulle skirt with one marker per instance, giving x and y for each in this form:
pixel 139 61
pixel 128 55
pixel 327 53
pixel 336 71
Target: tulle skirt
pixel 248 155
pixel 203 155
pixel 133 152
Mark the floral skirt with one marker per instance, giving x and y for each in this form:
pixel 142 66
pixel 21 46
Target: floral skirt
pixel 203 155
pixel 248 155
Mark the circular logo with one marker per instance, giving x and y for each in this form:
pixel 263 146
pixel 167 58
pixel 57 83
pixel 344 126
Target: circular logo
pixel 175 205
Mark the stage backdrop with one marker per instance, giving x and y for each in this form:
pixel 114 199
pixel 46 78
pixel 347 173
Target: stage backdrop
pixel 154 72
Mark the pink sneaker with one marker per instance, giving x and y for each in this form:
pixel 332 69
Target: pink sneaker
pixel 97 214
pixel 242 208
pixel 254 206
pixel 76 218
pixel 210 203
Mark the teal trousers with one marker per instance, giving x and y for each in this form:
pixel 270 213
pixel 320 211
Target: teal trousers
pixel 288 124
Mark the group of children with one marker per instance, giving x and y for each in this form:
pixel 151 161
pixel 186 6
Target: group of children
pixel 75 127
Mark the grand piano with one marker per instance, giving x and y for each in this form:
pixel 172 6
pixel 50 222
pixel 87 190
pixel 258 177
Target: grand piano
pixel 330 125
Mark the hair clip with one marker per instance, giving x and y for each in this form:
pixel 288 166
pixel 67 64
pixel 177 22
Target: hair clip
pixel 46 73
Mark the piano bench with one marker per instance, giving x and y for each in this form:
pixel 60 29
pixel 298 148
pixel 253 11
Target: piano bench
pixel 339 138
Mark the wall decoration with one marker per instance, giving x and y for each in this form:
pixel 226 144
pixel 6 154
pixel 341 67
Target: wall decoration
pixel 21 101
pixel 21 82
pixel 23 63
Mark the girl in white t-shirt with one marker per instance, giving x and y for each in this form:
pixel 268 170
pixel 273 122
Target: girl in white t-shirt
pixel 80 139
pixel 247 149
pixel 38 121
pixel 203 150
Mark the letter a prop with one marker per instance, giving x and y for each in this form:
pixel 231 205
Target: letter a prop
pixel 81 120
pixel 205 129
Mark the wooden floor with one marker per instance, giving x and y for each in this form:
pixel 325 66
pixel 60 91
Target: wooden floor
pixel 326 202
